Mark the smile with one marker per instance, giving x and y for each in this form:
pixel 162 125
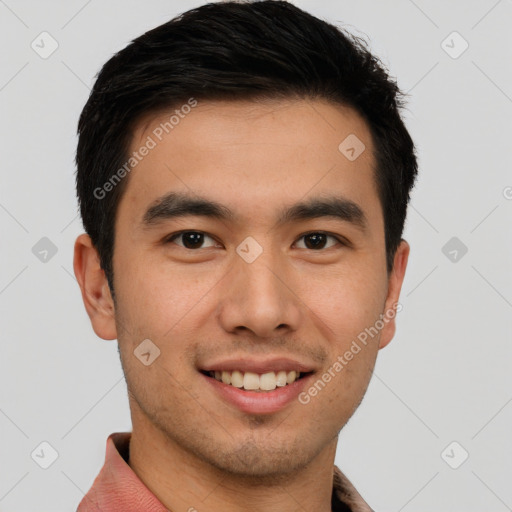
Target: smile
pixel 251 381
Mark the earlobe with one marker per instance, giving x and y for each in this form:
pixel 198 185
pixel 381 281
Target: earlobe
pixel 396 279
pixel 94 287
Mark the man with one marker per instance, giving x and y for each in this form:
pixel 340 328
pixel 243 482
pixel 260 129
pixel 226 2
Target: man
pixel 243 178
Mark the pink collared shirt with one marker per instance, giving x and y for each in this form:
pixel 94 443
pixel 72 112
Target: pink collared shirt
pixel 118 489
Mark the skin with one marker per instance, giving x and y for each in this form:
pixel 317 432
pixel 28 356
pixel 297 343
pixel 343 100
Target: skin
pixel 191 448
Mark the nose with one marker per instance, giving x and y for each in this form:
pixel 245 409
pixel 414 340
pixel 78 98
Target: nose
pixel 259 297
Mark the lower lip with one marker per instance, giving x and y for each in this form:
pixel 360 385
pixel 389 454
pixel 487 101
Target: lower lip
pixel 253 402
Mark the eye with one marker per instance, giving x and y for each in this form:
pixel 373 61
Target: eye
pixel 190 239
pixel 316 240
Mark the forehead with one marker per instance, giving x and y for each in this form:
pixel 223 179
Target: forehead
pixel 252 156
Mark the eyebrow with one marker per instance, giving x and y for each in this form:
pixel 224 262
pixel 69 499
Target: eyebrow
pixel 177 204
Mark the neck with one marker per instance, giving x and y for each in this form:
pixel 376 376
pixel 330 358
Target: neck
pixel 183 481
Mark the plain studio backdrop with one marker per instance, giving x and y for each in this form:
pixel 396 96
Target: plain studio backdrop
pixel 434 430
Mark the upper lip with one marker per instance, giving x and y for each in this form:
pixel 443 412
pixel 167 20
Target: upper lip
pixel 258 366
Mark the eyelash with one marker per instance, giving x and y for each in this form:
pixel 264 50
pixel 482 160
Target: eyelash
pixel 176 235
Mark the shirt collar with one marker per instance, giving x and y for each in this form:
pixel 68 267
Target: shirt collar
pixel 117 487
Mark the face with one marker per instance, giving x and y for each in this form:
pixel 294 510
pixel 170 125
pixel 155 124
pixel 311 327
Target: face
pixel 252 282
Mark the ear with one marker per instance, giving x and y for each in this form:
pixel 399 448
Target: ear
pixel 396 279
pixel 94 287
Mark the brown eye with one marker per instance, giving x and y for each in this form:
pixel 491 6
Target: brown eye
pixel 317 240
pixel 190 239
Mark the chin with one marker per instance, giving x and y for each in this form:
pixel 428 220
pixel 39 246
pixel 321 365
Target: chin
pixel 261 460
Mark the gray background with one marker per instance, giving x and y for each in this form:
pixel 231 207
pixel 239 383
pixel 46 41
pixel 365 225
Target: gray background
pixel 446 375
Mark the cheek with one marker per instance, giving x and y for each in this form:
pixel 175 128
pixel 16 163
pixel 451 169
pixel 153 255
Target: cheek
pixel 350 307
pixel 155 304
pixel 156 294
pixel 347 302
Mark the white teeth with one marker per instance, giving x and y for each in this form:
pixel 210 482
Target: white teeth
pixel 281 379
pixel 291 376
pixel 268 381
pixel 251 381
pixel 237 379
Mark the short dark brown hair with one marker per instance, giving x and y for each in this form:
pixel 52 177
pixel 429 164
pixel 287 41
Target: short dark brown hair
pixel 238 50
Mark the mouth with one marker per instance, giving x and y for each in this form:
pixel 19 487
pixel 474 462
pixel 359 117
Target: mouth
pixel 256 382
pixel 258 386
pixel 245 390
